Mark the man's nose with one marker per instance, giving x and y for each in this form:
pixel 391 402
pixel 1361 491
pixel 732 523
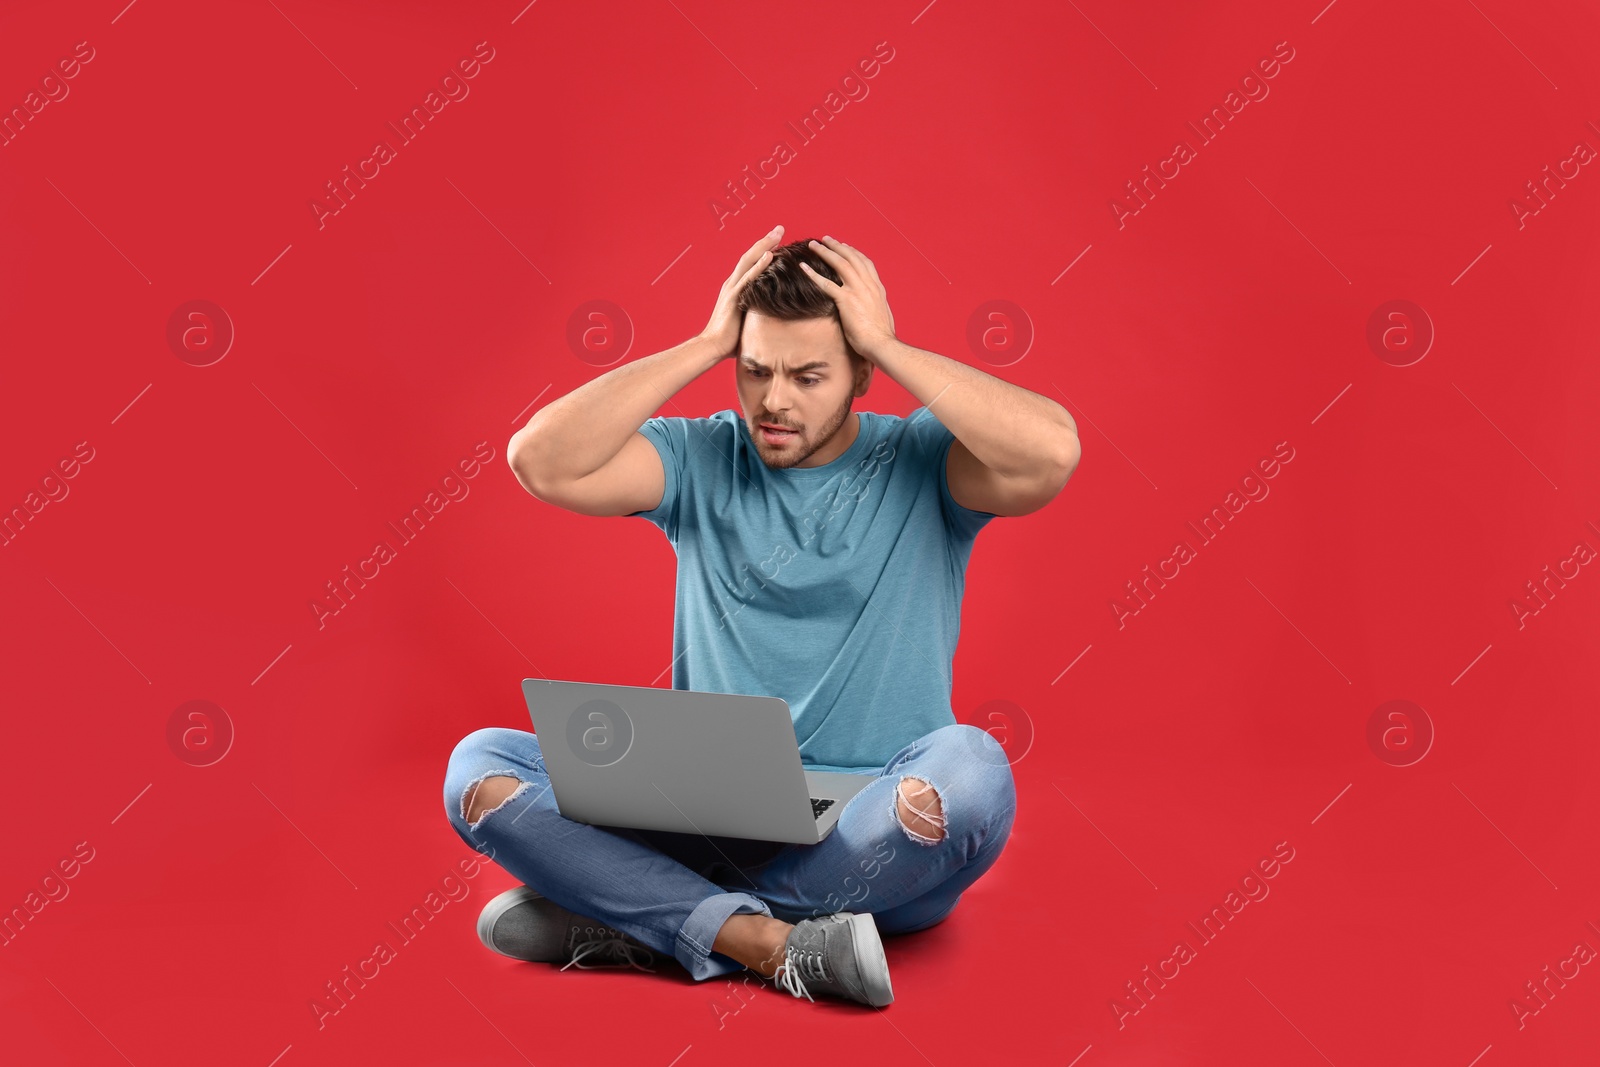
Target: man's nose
pixel 776 396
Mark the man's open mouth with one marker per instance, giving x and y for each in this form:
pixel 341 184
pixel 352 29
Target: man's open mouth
pixel 776 435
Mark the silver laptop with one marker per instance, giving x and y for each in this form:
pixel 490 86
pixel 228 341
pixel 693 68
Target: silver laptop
pixel 717 764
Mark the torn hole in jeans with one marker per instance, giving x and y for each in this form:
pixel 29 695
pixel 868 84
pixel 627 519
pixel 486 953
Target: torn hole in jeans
pixel 471 792
pixel 936 820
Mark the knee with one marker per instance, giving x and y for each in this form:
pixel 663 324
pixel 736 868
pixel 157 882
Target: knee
pixel 485 768
pixel 486 795
pixel 491 741
pixel 973 741
pixel 920 810
pixel 988 778
pixel 953 795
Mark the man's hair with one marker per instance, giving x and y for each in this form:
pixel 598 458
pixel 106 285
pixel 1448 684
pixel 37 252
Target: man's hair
pixel 783 291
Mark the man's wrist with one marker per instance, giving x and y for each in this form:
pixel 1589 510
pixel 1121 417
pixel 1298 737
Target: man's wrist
pixel 706 351
pixel 881 348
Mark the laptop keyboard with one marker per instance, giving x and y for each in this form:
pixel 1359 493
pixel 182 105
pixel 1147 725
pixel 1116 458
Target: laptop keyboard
pixel 819 806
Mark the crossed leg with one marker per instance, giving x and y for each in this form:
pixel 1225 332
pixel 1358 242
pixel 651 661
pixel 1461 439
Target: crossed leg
pixel 950 792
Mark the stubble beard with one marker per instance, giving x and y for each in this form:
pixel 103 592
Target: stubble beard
pixel 803 448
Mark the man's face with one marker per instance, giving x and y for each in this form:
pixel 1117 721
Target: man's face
pixel 797 375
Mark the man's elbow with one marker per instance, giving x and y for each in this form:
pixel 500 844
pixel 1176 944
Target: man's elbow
pixel 1060 470
pixel 1050 481
pixel 518 458
pixel 1066 461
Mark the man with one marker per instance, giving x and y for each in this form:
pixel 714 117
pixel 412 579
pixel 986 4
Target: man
pixel 821 558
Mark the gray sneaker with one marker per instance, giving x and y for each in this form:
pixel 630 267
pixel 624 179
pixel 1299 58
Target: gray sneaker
pixel 526 926
pixel 839 954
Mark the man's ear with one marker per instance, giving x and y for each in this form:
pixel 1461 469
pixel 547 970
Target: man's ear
pixel 863 377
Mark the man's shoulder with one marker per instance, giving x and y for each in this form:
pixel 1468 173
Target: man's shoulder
pixel 919 431
pixel 725 417
pixel 675 430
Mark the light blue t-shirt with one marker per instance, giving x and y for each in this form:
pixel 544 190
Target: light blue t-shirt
pixel 837 588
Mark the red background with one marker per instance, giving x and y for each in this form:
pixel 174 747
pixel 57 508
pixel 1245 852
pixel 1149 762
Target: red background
pixel 373 352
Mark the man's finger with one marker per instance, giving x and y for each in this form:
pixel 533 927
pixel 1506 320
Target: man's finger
pixel 756 268
pixel 833 259
pixel 828 286
pixel 859 258
pixel 869 266
pixel 755 251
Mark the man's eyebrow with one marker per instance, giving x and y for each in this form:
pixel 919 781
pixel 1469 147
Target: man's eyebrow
pixel 816 364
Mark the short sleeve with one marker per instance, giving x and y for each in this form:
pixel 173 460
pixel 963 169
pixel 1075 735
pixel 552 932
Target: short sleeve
pixel 935 441
pixel 669 436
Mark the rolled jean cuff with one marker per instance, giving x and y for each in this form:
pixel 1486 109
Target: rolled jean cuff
pixel 699 933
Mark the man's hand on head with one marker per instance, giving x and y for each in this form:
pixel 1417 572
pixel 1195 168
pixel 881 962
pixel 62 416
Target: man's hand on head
pixel 862 300
pixel 722 332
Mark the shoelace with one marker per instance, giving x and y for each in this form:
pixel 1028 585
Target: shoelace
pixel 606 944
pixel 798 963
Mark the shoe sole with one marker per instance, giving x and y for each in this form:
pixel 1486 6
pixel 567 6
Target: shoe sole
pixel 870 960
pixel 497 907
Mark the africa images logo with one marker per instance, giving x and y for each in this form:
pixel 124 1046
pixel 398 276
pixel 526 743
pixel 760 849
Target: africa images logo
pixel 599 732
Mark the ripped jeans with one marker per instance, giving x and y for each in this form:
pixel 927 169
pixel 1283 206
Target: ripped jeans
pixel 674 891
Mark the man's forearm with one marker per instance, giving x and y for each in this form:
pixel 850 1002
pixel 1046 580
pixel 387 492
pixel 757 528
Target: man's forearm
pixel 577 434
pixel 1008 429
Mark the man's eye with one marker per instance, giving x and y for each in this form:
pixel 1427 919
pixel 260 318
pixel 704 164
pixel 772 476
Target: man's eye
pixel 803 381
